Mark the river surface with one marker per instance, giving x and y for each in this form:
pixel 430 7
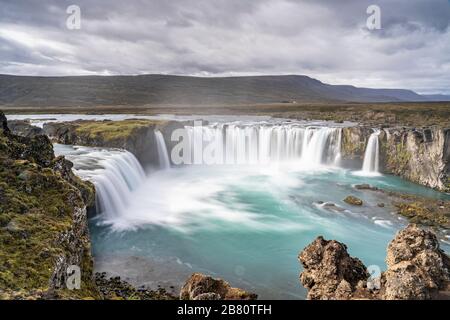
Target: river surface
pixel 244 223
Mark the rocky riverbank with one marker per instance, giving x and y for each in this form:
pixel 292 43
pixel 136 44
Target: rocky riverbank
pixel 417 269
pixel 420 155
pixel 43 225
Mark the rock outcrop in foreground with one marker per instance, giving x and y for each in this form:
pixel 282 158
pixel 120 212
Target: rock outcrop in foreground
pixel 417 269
pixel 330 272
pixel 201 287
pixel 43 226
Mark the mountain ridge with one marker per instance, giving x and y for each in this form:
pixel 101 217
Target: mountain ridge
pixel 162 89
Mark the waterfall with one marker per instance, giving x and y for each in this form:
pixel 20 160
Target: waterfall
pixel 265 143
pixel 115 174
pixel 163 155
pixel 371 156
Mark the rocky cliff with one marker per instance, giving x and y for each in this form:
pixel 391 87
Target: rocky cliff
pixel 417 270
pixel 135 136
pixel 43 227
pixel 419 155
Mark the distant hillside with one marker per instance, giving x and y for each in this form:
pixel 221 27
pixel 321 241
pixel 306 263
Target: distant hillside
pixel 180 90
pixel 437 97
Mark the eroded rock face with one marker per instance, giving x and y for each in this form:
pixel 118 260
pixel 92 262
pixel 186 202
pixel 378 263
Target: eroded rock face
pixel 421 156
pixel 135 136
pixel 201 287
pixel 417 270
pixel 43 226
pixel 329 271
pixel 418 155
pixel 417 267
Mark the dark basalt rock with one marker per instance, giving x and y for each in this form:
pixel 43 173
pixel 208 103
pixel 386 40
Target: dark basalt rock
pixel 114 288
pixel 24 128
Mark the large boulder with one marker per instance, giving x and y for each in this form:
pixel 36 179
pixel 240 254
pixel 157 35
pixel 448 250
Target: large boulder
pixel 417 267
pixel 329 271
pixel 201 287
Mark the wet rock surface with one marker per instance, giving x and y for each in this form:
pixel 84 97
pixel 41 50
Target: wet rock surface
pixel 202 287
pixel 424 211
pixel 114 288
pixel 354 201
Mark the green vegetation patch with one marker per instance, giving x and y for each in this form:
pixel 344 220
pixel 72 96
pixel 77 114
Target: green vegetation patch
pixel 112 130
pixel 38 208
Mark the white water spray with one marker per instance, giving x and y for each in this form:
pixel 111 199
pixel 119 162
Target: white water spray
pixel 163 155
pixel 265 144
pixel 371 156
pixel 115 174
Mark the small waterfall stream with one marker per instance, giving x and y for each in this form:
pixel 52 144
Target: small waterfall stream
pixel 371 161
pixel 163 155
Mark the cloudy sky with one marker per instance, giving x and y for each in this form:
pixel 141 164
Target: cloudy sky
pixel 325 39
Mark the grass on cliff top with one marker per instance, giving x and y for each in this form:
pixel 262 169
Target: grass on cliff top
pixel 415 114
pixel 112 130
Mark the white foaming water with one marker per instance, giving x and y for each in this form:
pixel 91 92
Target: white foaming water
pixel 115 174
pixel 371 156
pixel 163 155
pixel 265 144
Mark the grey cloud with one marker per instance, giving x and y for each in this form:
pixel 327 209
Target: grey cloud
pixel 326 39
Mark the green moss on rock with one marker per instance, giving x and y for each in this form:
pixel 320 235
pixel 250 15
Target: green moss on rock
pixel 42 221
pixel 353 201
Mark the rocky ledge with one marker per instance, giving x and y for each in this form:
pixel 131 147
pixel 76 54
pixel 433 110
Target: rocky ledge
pixel 421 155
pixel 43 226
pixel 417 269
pixel 135 135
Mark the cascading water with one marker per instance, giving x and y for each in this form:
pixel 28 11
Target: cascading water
pixel 173 219
pixel 115 174
pixel 371 156
pixel 264 144
pixel 163 155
